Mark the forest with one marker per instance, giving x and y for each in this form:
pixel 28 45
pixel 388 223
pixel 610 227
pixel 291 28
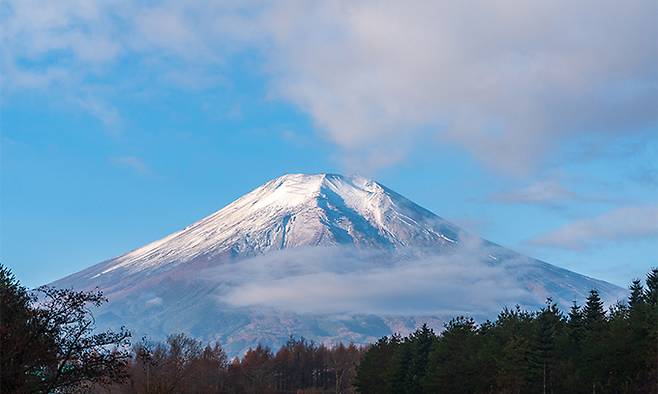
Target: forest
pixel 48 344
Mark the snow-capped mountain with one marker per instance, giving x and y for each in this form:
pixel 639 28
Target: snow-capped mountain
pixel 292 211
pixel 231 276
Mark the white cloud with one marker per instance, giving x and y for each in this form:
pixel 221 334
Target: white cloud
pixel 507 81
pixel 75 48
pixel 622 224
pixel 345 280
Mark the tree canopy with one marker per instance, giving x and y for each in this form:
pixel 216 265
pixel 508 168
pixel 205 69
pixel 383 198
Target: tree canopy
pixel 587 350
pixel 48 342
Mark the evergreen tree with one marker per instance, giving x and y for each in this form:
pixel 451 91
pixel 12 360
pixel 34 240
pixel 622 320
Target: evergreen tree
pixel 576 323
pixel 651 298
pixel 452 365
pixel 400 368
pixel 575 315
pixel 593 366
pixel 572 343
pixel 637 293
pixel 635 335
pixel 588 351
pixel 651 295
pixel 374 372
pixel 420 343
pixel 514 329
pixel 549 324
pixel 617 357
pixel 594 313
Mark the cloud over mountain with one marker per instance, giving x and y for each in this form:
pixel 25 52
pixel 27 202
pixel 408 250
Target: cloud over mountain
pixel 324 256
pixel 348 281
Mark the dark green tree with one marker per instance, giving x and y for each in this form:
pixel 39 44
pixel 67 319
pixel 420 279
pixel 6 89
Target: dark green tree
pixel 651 295
pixel 594 312
pixel 375 370
pixel 651 299
pixel 452 366
pixel 590 350
pixel 594 351
pixel 400 367
pixel 549 327
pixel 637 293
pixel 420 343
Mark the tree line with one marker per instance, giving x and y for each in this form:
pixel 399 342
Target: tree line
pixel 585 350
pixel 183 364
pixel 48 344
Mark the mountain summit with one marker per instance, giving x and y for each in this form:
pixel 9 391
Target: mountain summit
pixel 297 210
pixel 323 256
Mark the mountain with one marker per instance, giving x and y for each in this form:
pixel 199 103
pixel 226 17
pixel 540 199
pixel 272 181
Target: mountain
pixel 322 256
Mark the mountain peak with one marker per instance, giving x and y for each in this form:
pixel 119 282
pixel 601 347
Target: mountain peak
pixel 291 190
pixel 315 182
pixel 192 280
pixel 297 210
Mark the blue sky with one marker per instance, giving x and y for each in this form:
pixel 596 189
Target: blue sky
pixel 532 126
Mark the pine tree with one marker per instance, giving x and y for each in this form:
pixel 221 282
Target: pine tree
pixel 637 293
pixel 651 298
pixel 572 347
pixel 575 314
pixel 636 335
pixel 453 363
pixel 594 351
pixel 594 313
pixel 651 294
pixel 373 376
pixel 400 368
pixel 549 321
pixel 575 323
pixel 421 342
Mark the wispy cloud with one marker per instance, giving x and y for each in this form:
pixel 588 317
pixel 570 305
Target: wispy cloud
pixel 549 193
pixel 133 163
pixel 107 114
pixel 465 280
pixel 622 224
pixel 336 280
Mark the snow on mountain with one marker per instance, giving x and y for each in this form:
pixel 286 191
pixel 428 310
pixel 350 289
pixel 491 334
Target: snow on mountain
pixel 203 278
pixel 292 211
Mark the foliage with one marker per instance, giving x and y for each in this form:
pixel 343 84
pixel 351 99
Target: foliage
pixel 48 343
pixel 183 365
pixel 589 350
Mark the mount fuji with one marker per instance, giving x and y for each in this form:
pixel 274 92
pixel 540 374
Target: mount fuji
pixel 323 256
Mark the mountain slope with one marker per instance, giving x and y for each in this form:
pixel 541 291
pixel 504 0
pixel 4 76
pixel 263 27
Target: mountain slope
pixel 291 211
pixel 242 274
